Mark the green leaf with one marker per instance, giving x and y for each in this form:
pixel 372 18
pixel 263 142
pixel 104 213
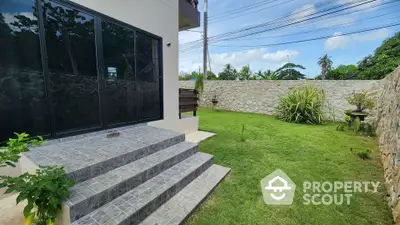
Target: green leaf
pixel 28 209
pixel 10 164
pixel 21 197
pixel 8 191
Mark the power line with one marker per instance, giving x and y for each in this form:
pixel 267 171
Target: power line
pixel 330 27
pixel 243 14
pixel 349 24
pixel 298 21
pixel 240 9
pixel 311 39
pixel 285 25
pixel 283 18
pixel 304 40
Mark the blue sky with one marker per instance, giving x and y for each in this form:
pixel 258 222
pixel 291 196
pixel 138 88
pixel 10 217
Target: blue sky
pixel 347 49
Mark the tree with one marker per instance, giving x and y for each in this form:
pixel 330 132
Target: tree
pixel 343 72
pixel 266 75
pixel 385 59
pixel 211 76
pixel 289 72
pixel 228 73
pixel 245 73
pixel 326 65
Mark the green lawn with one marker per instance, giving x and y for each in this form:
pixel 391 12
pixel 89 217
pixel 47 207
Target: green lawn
pixel 304 152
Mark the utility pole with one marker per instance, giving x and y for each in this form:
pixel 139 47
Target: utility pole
pixel 205 43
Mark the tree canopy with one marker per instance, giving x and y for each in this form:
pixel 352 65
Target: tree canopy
pixel 325 63
pixel 289 72
pixel 385 59
pixel 228 73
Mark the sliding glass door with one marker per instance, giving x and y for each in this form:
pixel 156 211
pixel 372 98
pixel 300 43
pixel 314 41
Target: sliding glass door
pixel 72 70
pixel 65 69
pixel 120 89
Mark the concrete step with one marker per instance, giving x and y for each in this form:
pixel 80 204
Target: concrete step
pixel 179 207
pixel 93 193
pixel 96 154
pixel 134 206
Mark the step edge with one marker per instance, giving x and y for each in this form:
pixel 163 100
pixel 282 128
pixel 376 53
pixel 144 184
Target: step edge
pixel 140 153
pixel 226 172
pixel 207 163
pixel 189 150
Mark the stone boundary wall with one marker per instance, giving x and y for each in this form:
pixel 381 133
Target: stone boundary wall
pixel 262 96
pixel 388 122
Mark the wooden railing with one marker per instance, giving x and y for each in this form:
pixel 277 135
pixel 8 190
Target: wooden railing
pixel 188 101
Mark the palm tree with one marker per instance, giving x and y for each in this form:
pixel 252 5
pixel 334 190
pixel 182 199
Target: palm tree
pixel 326 65
pixel 289 72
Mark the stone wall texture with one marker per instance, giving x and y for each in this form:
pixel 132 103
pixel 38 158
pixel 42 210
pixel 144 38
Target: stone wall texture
pixel 262 96
pixel 388 122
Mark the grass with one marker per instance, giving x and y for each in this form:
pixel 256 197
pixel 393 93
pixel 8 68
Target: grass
pixel 304 152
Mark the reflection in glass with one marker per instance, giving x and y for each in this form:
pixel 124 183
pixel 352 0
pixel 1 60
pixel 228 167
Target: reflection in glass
pixel 147 77
pixel 22 93
pixel 120 91
pixel 72 67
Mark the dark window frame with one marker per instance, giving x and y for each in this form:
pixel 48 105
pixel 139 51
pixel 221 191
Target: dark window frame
pixel 98 19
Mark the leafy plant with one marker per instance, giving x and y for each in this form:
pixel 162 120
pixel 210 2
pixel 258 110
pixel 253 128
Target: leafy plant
pixel 44 192
pixel 10 154
pixel 199 84
pixel 347 119
pixel 362 153
pixel 303 104
pixel 368 129
pixel 357 125
pixel 340 127
pixel 361 100
pixel 242 139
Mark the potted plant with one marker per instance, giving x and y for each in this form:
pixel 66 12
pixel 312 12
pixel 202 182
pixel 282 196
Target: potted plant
pixel 362 102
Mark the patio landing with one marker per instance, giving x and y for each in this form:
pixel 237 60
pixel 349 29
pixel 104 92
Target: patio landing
pixel 131 175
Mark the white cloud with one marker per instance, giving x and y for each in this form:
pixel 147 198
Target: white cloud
pixel 258 59
pixel 336 41
pixel 303 12
pixel 280 55
pixel 373 35
pixel 188 36
pixel 337 21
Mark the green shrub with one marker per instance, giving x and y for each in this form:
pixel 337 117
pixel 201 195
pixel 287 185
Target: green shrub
pixel 361 100
pixel 340 127
pixel 357 125
pixel 44 191
pixel 302 104
pixel 368 129
pixel 362 153
pixel 199 84
pixel 10 154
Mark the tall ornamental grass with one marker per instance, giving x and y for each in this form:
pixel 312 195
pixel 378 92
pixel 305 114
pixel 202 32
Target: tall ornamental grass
pixel 303 104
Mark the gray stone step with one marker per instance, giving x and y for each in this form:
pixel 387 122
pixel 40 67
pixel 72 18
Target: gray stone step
pixel 134 206
pixel 93 193
pixel 179 207
pixel 90 156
